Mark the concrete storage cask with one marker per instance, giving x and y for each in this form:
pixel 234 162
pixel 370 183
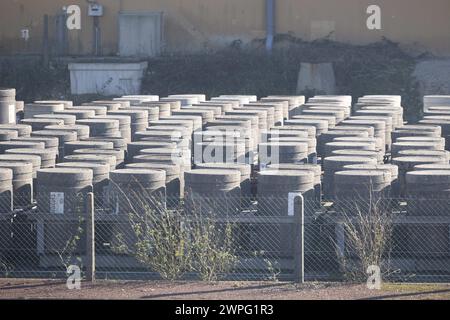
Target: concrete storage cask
pixel 6 190
pixel 437 130
pixel 79 113
pixel 244 169
pixel 5 145
pixel 41 123
pixel 174 104
pixel 336 163
pixel 279 110
pixel 70 147
pixel 321 126
pixel 397 147
pixel 433 166
pixel 63 137
pixel 338 114
pixel 135 147
pixel 50 143
pixel 343 128
pixel 396 134
pixel 207 115
pixel 311 130
pixel 443 155
pixel 217 110
pixel 153 112
pixel 275 185
pixel 23 130
pixel 61 201
pixel 212 191
pixel 99 110
pixel 188 125
pixel 329 136
pixel 81 131
pixel 254 130
pixel 7 135
pixel 315 168
pixel 438 141
pixel 97 158
pixel 283 152
pixel 390 168
pixel 273 190
pixel 361 184
pixel 119 154
pixel 100 177
pixel 177 156
pixel 330 119
pixel 139 119
pixel 266 135
pixel 312 146
pixel 164 108
pixel 109 104
pixel 195 122
pixel 22 181
pixel 48 156
pixel 118 143
pixel 65 103
pixel 348 145
pixel 224 107
pixel 198 97
pixel 428 192
pixel 34 159
pixel 7 106
pixel 33 109
pixel 67 118
pixel 359 153
pixel 220 151
pixel 407 163
pixel 124 103
pixel 101 127
pixel 379 143
pixel 174 178
pixel 436 100
pixel 124 125
pixel 137 186
pixel 428 195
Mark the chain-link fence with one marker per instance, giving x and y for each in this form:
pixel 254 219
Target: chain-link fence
pixel 141 236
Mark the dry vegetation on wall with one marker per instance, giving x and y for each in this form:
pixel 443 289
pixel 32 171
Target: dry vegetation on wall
pixel 379 68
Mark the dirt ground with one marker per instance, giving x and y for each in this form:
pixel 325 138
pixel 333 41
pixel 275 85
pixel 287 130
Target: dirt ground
pixel 50 289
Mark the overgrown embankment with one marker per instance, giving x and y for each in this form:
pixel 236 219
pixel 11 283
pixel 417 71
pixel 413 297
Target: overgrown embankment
pixel 379 68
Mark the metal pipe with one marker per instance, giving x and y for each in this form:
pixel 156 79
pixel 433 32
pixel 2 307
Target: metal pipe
pixel 270 24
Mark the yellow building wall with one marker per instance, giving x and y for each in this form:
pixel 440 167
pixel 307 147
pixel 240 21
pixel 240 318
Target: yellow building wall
pixel 192 25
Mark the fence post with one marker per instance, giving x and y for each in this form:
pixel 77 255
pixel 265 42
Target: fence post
pixel 299 240
pixel 90 238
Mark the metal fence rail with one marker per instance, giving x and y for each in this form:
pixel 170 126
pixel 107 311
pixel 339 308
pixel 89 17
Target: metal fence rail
pixel 137 236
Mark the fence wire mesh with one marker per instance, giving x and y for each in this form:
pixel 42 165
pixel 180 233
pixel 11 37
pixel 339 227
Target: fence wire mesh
pixel 143 236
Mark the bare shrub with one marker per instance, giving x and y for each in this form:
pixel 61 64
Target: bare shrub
pixel 368 226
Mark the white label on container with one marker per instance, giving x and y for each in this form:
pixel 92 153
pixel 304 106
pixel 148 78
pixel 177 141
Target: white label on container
pixel 12 113
pixel 57 202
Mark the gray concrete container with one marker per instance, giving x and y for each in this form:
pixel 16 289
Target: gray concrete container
pixel 48 156
pixel 22 181
pixel 6 192
pixel 70 147
pixel 68 119
pixel 331 165
pixel 40 123
pixel 81 131
pixel 23 130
